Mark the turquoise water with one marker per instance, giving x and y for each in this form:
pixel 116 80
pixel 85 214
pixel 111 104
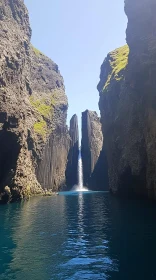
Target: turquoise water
pixel 85 236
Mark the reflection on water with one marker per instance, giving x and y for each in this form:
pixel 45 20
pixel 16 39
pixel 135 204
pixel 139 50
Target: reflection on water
pixel 80 171
pixel 84 236
pixel 80 216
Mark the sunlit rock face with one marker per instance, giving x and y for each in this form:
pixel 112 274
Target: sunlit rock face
pixel 72 166
pixel 33 109
pixel 127 105
pixel 52 142
pixel 91 147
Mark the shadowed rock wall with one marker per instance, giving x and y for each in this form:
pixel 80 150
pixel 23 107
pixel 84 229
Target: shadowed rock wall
pixel 51 168
pixel 72 166
pixel 91 145
pixel 127 104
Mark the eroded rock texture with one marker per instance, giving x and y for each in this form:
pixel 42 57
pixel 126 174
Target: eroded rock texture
pixel 72 167
pixel 127 105
pixel 110 104
pixel 50 103
pixel 91 145
pixel 33 109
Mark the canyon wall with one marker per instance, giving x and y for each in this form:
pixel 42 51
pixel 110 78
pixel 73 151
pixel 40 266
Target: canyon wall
pixel 72 166
pixel 34 140
pixel 52 139
pixel 91 147
pixel 127 104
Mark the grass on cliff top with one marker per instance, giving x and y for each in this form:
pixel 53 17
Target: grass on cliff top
pixel 46 110
pixel 118 60
pixel 36 51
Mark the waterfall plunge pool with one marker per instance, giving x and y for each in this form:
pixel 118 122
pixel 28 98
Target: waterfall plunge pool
pixel 91 236
pixel 84 192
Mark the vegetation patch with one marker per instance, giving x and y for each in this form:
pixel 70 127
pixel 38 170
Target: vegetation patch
pixel 118 60
pixel 37 52
pixel 42 107
pixel 45 108
pixel 40 128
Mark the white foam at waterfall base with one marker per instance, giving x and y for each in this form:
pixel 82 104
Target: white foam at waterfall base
pixel 80 187
pixel 76 188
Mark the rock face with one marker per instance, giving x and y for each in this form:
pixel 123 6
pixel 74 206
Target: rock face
pixel 91 145
pixel 33 109
pixel 127 105
pixel 72 166
pixel 110 104
pixel 99 177
pixel 49 101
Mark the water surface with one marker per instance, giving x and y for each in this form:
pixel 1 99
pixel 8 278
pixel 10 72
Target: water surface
pixel 84 236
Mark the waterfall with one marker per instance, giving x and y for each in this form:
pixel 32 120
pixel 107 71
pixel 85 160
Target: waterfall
pixel 80 172
pixel 79 187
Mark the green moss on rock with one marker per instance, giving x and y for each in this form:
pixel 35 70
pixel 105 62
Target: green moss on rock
pixel 118 60
pixel 36 51
pixel 40 127
pixel 45 108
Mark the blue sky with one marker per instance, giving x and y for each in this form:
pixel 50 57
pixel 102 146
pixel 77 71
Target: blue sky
pixel 77 35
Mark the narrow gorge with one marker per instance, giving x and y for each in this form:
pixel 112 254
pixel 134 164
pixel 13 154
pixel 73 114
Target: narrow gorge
pixel 82 192
pixel 38 153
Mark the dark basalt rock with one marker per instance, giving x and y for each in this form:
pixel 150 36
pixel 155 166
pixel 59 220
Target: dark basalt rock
pixel 72 166
pixel 99 177
pixel 127 105
pixel 91 148
pixel 53 161
pixel 33 110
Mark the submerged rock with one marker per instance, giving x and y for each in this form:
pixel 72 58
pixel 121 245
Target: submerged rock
pixel 33 110
pixel 127 104
pixel 91 146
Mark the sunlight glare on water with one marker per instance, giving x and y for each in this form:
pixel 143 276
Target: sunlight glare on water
pixel 73 236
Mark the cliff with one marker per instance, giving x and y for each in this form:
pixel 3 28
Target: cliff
pixel 127 105
pixel 34 139
pixel 91 145
pixel 112 78
pixel 49 102
pixel 72 166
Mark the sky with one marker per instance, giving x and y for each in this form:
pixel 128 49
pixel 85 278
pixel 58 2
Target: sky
pixel 77 35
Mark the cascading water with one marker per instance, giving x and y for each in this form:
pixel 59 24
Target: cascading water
pixel 80 172
pixel 80 187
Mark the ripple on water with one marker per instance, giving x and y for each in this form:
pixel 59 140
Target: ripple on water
pixel 73 237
